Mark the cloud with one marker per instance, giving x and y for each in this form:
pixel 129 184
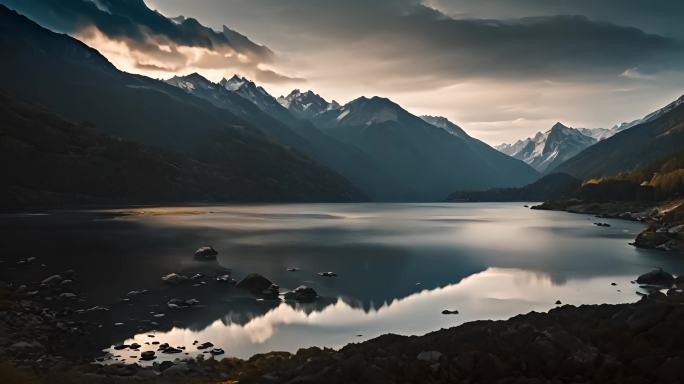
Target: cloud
pixel 404 44
pixel 135 37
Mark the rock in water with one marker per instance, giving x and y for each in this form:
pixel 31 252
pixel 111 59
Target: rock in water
pixel 656 277
pixel 327 274
pixel 449 312
pixel 174 279
pixel 206 253
pixel 256 284
pixel 147 355
pixel 303 294
pixel 52 280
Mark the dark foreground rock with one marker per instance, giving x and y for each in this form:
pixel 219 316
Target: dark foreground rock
pixel 629 343
pixel 656 277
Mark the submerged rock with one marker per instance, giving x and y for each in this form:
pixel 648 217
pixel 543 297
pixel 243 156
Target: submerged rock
pixel 206 253
pixel 303 294
pixel 656 277
pixel 327 274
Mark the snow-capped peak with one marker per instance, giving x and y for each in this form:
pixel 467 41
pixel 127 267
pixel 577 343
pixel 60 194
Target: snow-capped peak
pixel 234 83
pixel 547 149
pixel 306 104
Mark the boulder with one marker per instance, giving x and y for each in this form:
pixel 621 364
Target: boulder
pixel 257 284
pixel 206 253
pixel 205 345
pixel 303 294
pixel 679 281
pixel 271 292
pixel 174 279
pixel 650 239
pixel 656 277
pixel 52 280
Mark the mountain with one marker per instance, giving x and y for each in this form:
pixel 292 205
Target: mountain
pixel 546 150
pixel 64 163
pixel 67 77
pixel 307 104
pixel 258 96
pixel 658 135
pixel 238 95
pixel 430 161
pixel 549 187
pixel 240 104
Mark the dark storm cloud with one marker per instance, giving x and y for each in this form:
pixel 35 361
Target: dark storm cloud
pixel 155 41
pixel 656 16
pixel 417 38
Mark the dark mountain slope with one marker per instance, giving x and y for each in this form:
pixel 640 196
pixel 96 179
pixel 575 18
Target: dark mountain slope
pixel 656 138
pixel 75 81
pixel 429 159
pixel 47 161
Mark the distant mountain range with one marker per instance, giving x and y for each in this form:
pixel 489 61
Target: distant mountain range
pixel 427 158
pixel 386 151
pixel 548 149
pixel 658 135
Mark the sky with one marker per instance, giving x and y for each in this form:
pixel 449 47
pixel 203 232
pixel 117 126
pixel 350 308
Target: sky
pixel 501 69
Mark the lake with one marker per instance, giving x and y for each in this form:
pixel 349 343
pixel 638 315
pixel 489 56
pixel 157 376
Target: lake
pixel 398 265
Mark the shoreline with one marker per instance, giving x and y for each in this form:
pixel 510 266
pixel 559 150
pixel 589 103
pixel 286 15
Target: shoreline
pixel 567 343
pixel 665 220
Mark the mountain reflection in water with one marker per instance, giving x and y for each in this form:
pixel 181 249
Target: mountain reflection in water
pixel 493 294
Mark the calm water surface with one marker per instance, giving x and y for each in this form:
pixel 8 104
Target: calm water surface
pixel 398 266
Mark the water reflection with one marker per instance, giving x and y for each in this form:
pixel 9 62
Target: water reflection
pixel 495 293
pixel 399 266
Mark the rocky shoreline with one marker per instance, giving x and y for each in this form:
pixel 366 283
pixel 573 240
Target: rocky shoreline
pixel 665 221
pixel 626 343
